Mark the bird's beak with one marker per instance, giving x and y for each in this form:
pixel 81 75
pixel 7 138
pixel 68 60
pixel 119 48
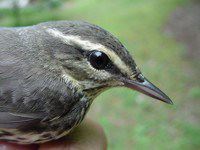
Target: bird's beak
pixel 141 84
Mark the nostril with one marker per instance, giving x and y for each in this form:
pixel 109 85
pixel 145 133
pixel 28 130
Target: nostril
pixel 140 78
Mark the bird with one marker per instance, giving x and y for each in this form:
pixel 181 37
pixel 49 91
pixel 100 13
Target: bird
pixel 51 72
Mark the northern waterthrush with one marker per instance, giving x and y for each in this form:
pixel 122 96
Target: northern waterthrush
pixel 51 72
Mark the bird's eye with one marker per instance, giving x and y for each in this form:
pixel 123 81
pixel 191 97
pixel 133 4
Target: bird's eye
pixel 98 59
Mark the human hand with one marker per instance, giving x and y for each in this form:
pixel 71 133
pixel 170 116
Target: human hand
pixel 87 136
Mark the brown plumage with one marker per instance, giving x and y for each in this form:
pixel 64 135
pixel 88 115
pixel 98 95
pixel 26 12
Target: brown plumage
pixel 50 73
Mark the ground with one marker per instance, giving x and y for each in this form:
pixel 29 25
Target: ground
pixel 163 37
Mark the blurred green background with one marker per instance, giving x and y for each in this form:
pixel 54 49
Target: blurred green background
pixel 148 28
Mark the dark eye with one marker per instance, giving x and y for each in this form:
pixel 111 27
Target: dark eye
pixel 98 59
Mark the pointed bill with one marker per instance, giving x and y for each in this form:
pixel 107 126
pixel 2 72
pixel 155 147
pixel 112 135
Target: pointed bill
pixel 146 87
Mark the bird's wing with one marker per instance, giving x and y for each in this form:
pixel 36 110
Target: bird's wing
pixel 28 94
pixel 13 95
pixel 11 120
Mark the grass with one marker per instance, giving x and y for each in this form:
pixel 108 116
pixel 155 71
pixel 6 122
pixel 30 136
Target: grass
pixel 132 120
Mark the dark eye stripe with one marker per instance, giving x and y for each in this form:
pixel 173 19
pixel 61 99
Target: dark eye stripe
pixel 81 50
pixel 101 61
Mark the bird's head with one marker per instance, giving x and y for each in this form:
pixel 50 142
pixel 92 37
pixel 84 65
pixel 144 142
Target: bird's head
pixel 94 60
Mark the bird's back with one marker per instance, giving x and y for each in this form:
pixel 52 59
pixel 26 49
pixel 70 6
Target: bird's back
pixel 30 93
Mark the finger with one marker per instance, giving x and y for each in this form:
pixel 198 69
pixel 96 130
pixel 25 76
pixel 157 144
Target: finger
pixel 88 136
pixel 13 146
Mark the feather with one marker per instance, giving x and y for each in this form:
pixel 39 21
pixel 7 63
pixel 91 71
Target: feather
pixel 11 120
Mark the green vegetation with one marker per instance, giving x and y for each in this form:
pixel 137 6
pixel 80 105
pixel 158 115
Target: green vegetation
pixel 132 120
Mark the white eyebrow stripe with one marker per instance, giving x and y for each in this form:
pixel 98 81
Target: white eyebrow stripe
pixel 88 45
